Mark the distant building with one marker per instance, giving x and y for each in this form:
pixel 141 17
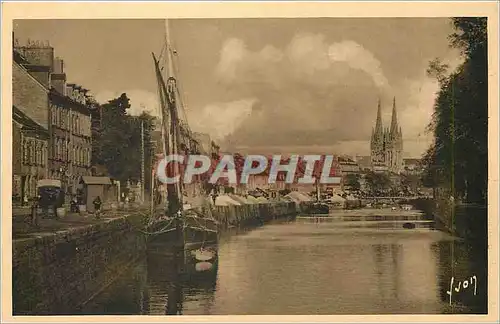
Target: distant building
pixel 364 163
pixel 412 166
pixel 379 167
pixel 387 144
pixel 348 165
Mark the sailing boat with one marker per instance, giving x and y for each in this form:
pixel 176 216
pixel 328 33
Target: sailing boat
pixel 319 207
pixel 187 221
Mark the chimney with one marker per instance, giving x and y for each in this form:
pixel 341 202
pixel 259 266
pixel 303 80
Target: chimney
pixel 40 60
pixel 38 54
pixel 58 77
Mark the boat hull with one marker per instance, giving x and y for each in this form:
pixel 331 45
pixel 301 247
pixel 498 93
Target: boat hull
pixel 318 208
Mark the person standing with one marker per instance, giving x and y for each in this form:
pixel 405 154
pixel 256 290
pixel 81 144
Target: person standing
pixel 34 211
pixel 97 207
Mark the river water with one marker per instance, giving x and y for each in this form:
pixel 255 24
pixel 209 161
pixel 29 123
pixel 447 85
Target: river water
pixel 307 268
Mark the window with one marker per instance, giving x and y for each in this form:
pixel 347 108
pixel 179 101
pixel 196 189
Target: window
pixel 85 130
pixel 53 114
pixel 40 152
pixel 25 149
pixel 30 151
pixel 67 119
pixel 61 143
pixel 35 152
pixel 66 149
pixel 36 155
pixel 60 117
pixel 58 149
pixel 44 154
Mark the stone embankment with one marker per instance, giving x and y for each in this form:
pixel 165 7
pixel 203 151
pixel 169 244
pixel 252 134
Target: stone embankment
pixel 54 271
pixel 467 221
pixel 253 214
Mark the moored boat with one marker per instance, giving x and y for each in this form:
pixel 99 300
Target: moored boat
pixel 187 221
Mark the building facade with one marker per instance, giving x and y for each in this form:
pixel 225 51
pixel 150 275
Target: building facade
pixel 41 93
pixel 29 158
pixel 387 143
pixel 29 129
pixel 71 137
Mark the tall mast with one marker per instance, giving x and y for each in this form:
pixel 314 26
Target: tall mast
pixel 142 161
pixel 171 94
pixel 170 67
pixel 173 101
pixel 172 193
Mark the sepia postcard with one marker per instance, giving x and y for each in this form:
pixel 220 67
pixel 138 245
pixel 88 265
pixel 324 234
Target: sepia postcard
pixel 250 162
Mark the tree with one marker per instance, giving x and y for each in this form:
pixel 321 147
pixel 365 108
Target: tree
pixel 458 159
pixel 117 144
pixel 411 182
pixel 378 182
pixel 352 181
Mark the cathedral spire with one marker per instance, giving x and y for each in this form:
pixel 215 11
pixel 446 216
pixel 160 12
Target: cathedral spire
pixel 378 124
pixel 394 121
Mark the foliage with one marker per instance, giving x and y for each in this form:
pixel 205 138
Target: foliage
pixel 352 181
pixel 411 181
pixel 458 158
pixel 378 182
pixel 117 144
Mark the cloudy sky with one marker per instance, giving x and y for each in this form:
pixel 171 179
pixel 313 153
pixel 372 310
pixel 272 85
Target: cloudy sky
pixel 267 85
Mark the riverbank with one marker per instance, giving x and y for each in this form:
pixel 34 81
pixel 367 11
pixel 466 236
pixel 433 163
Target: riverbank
pixel 63 263
pixel 467 221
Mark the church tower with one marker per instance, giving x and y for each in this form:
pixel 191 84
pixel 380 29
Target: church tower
pixel 377 140
pixel 387 143
pixel 396 142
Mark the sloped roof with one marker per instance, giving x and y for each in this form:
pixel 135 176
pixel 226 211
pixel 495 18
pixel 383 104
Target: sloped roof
pixel 96 180
pixel 26 122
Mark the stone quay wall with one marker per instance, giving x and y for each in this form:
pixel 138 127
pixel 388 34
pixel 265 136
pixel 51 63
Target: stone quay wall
pixel 53 273
pixel 253 214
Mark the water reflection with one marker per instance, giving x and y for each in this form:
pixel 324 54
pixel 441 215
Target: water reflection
pixel 298 268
